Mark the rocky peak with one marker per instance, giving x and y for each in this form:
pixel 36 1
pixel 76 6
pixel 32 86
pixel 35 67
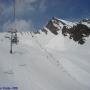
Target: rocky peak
pixel 76 31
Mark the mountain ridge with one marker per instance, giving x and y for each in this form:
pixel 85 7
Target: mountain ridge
pixel 74 30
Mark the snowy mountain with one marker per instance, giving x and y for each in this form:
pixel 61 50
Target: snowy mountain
pixel 78 31
pixel 48 60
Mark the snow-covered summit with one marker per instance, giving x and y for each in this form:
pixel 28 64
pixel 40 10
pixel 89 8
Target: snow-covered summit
pixel 65 22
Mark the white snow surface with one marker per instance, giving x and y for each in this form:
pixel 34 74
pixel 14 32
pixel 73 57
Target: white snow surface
pixel 44 62
pixel 87 24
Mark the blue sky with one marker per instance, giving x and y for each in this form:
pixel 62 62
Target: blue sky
pixel 38 12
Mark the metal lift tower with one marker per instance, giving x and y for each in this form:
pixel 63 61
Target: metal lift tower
pixel 13 31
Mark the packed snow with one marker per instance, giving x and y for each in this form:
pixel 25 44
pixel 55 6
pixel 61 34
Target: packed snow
pixel 44 62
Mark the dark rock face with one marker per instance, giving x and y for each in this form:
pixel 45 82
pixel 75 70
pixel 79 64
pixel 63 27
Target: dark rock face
pixel 45 31
pixel 77 33
pixel 52 28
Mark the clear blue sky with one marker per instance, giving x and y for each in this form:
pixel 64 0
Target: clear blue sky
pixel 40 11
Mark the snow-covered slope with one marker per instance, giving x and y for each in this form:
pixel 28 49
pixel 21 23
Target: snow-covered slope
pixel 73 57
pixel 47 60
pixel 37 66
pixel 44 38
